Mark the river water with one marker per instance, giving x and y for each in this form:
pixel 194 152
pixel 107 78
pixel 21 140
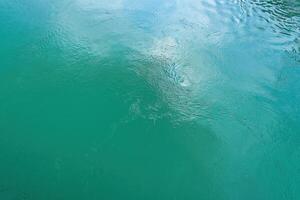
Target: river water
pixel 153 99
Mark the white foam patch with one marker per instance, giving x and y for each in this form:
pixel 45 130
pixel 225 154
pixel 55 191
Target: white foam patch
pixel 165 48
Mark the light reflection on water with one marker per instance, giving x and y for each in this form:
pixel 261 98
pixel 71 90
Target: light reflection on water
pixel 150 99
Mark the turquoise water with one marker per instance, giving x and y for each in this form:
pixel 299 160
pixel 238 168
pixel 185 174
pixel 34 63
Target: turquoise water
pixel 154 99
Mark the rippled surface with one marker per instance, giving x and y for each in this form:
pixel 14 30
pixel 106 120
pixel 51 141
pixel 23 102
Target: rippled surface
pixel 128 99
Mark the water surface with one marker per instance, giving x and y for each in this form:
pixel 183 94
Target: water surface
pixel 154 99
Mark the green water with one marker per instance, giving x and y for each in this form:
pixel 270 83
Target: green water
pixel 153 99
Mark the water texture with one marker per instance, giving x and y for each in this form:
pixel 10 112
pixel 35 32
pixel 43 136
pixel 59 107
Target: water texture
pixel 153 99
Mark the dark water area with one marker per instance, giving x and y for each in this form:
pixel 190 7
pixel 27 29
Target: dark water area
pixel 154 99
